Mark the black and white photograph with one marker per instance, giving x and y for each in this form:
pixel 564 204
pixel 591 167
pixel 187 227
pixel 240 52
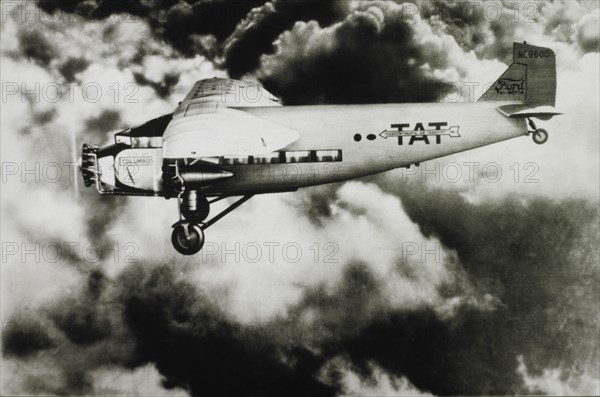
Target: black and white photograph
pixel 300 198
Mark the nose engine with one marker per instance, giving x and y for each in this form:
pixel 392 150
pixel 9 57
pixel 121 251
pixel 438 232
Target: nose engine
pixel 134 166
pixel 89 164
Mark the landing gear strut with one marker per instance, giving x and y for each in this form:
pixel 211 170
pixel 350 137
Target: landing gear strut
pixel 539 135
pixel 188 232
pixel 194 206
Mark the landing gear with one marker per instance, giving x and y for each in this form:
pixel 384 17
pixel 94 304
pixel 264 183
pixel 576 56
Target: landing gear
pixel 539 135
pixel 188 232
pixel 187 238
pixel 188 235
pixel 194 206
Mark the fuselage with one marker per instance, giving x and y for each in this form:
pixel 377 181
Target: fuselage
pixel 340 142
pixel 234 138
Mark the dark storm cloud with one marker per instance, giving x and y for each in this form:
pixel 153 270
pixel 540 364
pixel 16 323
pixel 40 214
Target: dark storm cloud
pixel 71 67
pixel 82 318
pixel 78 333
pixel 588 33
pixel 370 57
pixel 101 211
pixel 364 60
pixel 342 312
pixel 150 315
pixel 255 34
pixel 539 257
pixel 315 203
pixel 536 258
pixel 25 335
pixel 197 347
pixel 471 355
pixel 44 117
pixel 177 22
pixel 184 20
pixel 35 46
pixel 108 120
pixel 588 44
pixel 162 88
pixel 489 31
pixel 234 26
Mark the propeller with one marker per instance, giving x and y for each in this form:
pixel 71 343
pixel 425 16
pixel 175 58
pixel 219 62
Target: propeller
pixel 84 160
pixel 77 163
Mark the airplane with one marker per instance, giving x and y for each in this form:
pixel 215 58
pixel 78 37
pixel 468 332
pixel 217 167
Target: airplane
pixel 231 138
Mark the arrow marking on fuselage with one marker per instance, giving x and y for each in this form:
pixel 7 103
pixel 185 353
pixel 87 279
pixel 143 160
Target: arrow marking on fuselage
pixel 452 131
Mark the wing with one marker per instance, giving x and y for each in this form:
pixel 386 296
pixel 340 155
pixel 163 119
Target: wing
pixel 210 122
pixel 228 93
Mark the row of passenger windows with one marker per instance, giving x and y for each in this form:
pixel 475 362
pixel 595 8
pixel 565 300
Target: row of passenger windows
pixel 291 156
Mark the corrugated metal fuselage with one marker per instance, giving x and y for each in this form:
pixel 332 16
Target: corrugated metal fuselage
pixel 371 138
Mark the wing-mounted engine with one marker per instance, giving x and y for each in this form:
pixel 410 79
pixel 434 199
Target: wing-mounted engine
pixel 181 174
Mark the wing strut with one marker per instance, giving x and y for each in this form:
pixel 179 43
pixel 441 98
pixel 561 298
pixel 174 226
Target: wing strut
pixel 226 211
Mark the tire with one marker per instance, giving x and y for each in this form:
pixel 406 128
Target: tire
pixel 190 243
pixel 540 136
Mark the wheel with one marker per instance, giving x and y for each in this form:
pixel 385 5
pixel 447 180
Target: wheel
pixel 195 208
pixel 540 136
pixel 187 238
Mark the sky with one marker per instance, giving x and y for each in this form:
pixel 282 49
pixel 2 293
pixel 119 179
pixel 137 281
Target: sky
pixel 477 273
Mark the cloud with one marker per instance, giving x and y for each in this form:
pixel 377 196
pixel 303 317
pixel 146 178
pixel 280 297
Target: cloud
pixel 524 255
pixel 177 22
pixel 497 298
pixel 150 315
pixel 532 257
pixel 588 33
pixel 34 45
pixel 256 33
pixel 371 56
pixel 71 67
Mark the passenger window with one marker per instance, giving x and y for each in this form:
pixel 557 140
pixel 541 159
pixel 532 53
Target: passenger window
pixel 329 155
pixel 269 158
pixel 235 160
pixel 297 156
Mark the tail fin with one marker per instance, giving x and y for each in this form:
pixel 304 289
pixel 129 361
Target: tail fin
pixel 531 78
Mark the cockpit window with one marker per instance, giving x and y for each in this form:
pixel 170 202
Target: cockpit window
pixel 154 127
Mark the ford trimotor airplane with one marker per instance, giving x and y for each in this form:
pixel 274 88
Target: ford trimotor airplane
pixel 232 138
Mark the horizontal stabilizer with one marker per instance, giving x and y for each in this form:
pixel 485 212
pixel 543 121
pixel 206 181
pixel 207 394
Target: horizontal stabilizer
pixel 543 112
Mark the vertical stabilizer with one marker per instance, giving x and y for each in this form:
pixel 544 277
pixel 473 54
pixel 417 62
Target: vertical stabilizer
pixel 531 78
